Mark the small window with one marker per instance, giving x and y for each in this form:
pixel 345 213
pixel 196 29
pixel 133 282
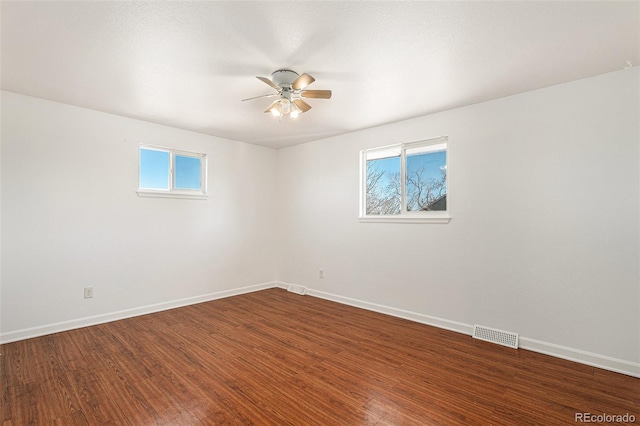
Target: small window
pixel 170 173
pixel 405 183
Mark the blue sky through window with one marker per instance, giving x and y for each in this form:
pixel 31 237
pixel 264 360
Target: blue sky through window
pixel 426 181
pixel 187 172
pixel 154 169
pixel 433 162
pixel 388 165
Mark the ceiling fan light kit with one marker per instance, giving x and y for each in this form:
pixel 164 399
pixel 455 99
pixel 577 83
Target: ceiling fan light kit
pixel 290 87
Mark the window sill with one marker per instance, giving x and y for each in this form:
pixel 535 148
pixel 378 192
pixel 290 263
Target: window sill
pixel 175 194
pixel 439 218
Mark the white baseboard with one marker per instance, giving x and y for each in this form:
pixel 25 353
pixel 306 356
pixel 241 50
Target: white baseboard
pixel 558 351
pixel 28 333
pixel 400 313
pixel 583 357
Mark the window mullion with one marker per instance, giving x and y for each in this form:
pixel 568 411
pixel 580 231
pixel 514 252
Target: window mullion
pixel 363 183
pixel 403 183
pixel 203 174
pixel 172 178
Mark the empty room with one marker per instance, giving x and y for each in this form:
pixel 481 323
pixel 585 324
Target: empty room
pixel 319 212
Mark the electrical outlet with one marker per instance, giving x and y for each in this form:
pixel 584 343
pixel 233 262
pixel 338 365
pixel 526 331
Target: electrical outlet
pixel 88 292
pixel 321 273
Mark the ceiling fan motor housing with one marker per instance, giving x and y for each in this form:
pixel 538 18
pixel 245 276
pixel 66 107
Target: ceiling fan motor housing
pixel 284 78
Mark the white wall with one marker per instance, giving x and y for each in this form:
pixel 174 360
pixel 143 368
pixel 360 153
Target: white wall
pixel 544 239
pixel 71 218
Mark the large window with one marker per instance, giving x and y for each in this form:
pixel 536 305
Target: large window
pixel 166 172
pixel 405 182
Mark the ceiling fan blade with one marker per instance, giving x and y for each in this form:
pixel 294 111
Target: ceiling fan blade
pixel 269 82
pixel 302 105
pixel 261 96
pixel 272 106
pixel 303 81
pixel 320 94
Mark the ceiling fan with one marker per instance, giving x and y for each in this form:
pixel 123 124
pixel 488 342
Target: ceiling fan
pixel 290 87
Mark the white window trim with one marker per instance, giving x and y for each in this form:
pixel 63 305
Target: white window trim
pixel 172 192
pixel 441 217
pixel 150 193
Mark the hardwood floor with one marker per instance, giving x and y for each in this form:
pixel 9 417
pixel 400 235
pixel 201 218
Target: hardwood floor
pixel 273 357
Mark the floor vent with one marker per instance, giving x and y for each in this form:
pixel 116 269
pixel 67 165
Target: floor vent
pixel 504 338
pixel 297 289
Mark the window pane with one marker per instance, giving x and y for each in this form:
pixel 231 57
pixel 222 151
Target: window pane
pixel 426 179
pixel 383 186
pixel 187 172
pixel 154 169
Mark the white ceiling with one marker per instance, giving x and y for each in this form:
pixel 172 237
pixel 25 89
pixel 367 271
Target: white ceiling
pixel 188 64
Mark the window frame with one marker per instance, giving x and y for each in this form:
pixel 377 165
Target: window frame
pixel 439 216
pixel 173 192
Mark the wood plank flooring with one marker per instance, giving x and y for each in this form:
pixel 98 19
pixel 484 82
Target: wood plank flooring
pixel 277 358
